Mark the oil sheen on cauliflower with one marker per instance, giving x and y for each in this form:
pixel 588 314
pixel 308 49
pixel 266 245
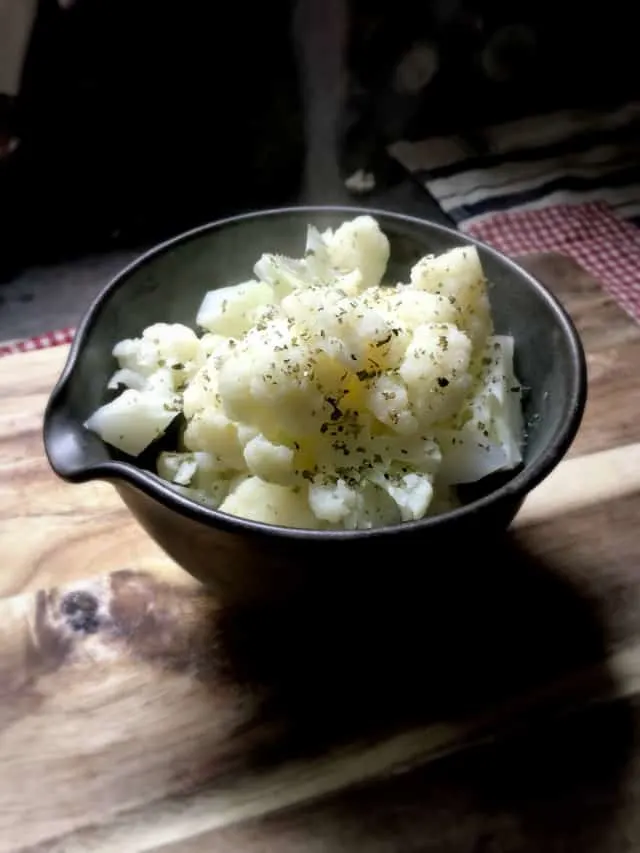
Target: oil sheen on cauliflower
pixel 318 396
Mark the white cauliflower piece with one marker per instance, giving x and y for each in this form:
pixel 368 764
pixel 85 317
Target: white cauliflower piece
pixel 202 392
pixel 132 421
pixel 435 371
pixel 412 493
pixel 165 383
pixel 490 438
pixel 201 472
pixel 508 420
pixel 127 378
pixel 375 509
pixel 271 504
pixel 268 381
pixel 333 502
pixel 359 507
pixel 366 336
pixel 313 308
pixel 418 452
pixel 209 429
pixel 319 267
pixel 161 345
pixel 346 328
pixel 458 276
pixel 232 310
pixel 165 357
pixel 195 468
pixel 271 462
pixel 407 308
pixel 178 468
pixel 216 345
pixel 360 245
pixel 283 274
pixel 388 399
pixel 245 433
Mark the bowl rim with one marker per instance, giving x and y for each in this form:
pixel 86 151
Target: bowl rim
pixel 152 485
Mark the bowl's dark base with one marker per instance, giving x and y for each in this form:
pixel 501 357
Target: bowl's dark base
pixel 248 571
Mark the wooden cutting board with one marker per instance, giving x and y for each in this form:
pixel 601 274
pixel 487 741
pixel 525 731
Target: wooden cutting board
pixel 497 715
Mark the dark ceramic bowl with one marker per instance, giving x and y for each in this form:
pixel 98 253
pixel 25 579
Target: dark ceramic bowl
pixel 245 560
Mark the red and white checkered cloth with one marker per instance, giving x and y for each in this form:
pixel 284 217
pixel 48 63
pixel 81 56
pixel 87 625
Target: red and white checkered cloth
pixel 603 244
pixel 48 339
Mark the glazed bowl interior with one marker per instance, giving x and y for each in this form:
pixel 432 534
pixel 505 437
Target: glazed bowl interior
pixel 168 284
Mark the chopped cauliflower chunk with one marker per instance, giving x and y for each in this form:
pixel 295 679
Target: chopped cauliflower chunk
pixel 258 500
pixel 133 420
pixel 231 311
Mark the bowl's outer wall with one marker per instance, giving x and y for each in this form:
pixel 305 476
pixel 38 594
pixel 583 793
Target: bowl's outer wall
pixel 246 570
pixel 170 286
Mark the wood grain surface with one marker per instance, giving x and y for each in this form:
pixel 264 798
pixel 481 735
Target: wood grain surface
pixel 497 711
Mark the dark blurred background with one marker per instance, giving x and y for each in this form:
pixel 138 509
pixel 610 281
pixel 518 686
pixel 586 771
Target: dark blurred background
pixel 138 119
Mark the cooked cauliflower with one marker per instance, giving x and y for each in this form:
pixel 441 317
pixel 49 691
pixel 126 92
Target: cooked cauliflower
pixel 231 311
pixel 319 396
pixel 360 246
pixel 457 276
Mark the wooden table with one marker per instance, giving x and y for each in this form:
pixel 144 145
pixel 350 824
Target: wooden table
pixel 499 715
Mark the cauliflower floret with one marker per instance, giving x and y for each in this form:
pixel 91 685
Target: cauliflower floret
pixel 165 383
pixel 375 509
pixel 202 391
pixel 332 502
pixel 209 429
pixel 458 276
pixel 232 310
pixel 408 308
pixel 161 360
pixel 202 473
pixel 191 468
pixel 216 345
pixel 283 274
pixel 272 462
pixel 313 309
pixel 162 344
pixel 346 328
pixel 421 452
pixel 127 378
pixel 435 370
pixel 353 508
pixel 360 245
pixel 366 336
pixel 177 467
pixel 268 381
pixel 411 492
pixel 388 399
pixel 271 504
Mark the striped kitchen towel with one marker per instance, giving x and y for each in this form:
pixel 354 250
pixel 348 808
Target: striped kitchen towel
pixel 566 157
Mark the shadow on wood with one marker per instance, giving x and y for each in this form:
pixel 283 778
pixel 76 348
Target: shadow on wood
pixel 463 635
